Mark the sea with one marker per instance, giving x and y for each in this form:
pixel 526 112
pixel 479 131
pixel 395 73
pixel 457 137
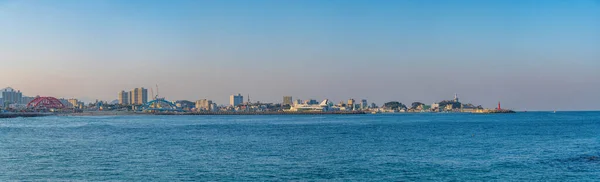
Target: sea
pixel 526 146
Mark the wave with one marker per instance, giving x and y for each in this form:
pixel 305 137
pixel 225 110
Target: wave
pixel 582 158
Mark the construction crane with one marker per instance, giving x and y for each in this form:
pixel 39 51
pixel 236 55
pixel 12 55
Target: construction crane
pixel 156 97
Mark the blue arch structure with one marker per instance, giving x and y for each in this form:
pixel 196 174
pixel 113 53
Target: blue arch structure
pixel 160 105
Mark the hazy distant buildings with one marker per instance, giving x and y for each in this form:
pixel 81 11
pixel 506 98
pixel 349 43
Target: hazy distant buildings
pixel 350 104
pixel 27 100
pixel 235 100
pixel 73 103
pixel 297 102
pixel 455 97
pixel 373 105
pixel 130 97
pixel 449 107
pixel 185 104
pixel 123 98
pixel 364 104
pixel 204 105
pixel 287 100
pixel 12 96
pixel 311 102
pixel 138 96
pixel 214 107
pixel 435 106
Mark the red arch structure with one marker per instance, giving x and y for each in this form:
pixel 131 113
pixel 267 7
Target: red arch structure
pixel 45 103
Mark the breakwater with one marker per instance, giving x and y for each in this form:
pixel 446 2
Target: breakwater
pixel 25 115
pixel 494 111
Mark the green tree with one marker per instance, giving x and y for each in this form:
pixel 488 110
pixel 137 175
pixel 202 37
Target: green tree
pixel 414 105
pixel 394 105
pixel 450 102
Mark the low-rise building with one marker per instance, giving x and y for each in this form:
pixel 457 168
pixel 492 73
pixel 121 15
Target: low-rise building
pixel 204 105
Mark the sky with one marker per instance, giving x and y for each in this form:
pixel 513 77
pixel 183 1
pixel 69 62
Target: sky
pixel 528 54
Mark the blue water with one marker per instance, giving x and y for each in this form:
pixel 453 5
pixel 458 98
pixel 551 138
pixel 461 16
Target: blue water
pixel 407 147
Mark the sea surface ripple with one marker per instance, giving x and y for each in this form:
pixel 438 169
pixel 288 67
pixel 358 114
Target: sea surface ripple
pixel 534 146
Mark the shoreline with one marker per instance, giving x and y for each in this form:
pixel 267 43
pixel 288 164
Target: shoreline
pixel 104 113
pixel 225 113
pixel 262 113
pixel 109 113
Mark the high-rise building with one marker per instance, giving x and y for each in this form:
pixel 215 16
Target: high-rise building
pixel 287 100
pixel 235 100
pixel 364 104
pixel 351 103
pixel 139 96
pixel 130 97
pixel 12 96
pixel 144 95
pixel 204 105
pixel 123 98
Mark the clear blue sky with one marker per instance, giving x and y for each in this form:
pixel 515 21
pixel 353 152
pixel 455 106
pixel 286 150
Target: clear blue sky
pixel 535 55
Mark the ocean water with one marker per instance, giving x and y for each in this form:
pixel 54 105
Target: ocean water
pixel 397 147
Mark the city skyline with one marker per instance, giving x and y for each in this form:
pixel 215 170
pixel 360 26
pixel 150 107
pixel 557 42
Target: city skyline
pixel 530 55
pixel 141 97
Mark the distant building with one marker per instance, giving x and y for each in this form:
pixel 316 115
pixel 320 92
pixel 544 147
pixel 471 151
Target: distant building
pixel 351 103
pixel 455 97
pixel 139 96
pixel 130 97
pixel 449 107
pixel 12 96
pixel 235 100
pixel 297 102
pixel 123 98
pixel 373 105
pixel 323 106
pixel 185 104
pixel 73 103
pixel 27 100
pixel 65 102
pixel 204 105
pixel 364 104
pixel 287 100
pixel 214 107
pixel 311 102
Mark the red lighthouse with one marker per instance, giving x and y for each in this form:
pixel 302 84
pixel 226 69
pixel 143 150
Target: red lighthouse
pixel 499 108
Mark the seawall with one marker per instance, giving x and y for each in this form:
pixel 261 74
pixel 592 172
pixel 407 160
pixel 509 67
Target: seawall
pixel 25 115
